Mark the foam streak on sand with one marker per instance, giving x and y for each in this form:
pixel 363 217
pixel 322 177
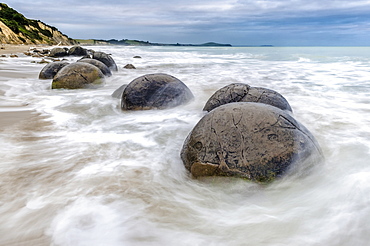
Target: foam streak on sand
pixel 12 112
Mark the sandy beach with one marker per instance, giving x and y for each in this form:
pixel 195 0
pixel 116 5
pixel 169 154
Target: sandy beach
pixel 11 113
pixel 8 49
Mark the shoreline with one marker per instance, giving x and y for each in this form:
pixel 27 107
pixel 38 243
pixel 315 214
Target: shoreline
pixel 13 113
pixel 10 49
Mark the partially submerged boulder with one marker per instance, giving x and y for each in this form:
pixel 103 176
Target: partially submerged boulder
pixel 118 93
pixel 239 92
pixel 155 91
pixel 105 70
pixel 78 75
pixel 58 52
pixel 50 70
pixel 129 66
pixel 255 141
pixel 77 51
pixel 106 59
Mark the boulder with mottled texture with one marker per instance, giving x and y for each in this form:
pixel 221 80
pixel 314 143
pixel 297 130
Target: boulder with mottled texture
pixel 50 70
pixel 255 141
pixel 78 75
pixel 106 59
pixel 239 92
pixel 105 70
pixel 155 91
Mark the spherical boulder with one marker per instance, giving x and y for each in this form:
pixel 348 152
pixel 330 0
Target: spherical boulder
pixel 255 141
pixel 239 92
pixel 105 70
pixel 77 51
pixel 50 70
pixel 58 52
pixel 106 59
pixel 78 75
pixel 155 91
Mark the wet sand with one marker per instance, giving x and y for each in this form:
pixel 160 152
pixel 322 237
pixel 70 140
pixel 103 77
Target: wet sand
pixel 13 114
pixel 8 49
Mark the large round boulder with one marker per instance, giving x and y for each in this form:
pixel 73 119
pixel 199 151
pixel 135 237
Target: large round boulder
pixel 77 51
pixel 51 69
pixel 106 59
pixel 255 141
pixel 155 91
pixel 78 75
pixel 105 70
pixel 58 52
pixel 239 92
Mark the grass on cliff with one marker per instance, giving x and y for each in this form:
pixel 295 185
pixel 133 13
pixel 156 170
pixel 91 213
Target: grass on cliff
pixel 18 24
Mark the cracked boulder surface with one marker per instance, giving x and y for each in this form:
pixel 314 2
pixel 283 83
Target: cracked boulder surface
pixel 51 69
pixel 105 70
pixel 239 92
pixel 155 91
pixel 106 59
pixel 255 141
pixel 78 75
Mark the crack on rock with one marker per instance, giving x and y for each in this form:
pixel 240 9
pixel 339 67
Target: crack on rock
pixel 283 122
pixel 260 97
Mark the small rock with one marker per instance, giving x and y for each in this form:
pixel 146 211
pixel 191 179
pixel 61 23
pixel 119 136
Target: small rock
pixel 129 66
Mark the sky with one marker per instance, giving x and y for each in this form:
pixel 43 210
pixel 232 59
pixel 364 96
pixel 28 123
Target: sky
pixel 236 22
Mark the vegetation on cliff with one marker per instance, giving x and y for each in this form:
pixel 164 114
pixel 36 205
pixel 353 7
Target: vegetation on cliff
pixel 23 30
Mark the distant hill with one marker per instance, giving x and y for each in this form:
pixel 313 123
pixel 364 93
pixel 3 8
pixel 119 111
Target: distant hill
pixel 129 42
pixel 17 29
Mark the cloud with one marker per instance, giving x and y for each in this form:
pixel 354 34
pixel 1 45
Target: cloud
pixel 197 20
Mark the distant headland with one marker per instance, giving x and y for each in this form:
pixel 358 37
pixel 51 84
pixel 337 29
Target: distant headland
pixel 128 42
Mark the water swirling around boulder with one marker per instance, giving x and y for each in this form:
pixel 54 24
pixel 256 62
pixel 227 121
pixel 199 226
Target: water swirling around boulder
pixel 255 141
pixel 239 92
pixel 78 75
pixel 155 91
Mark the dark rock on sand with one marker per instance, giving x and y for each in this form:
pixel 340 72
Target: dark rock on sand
pixel 77 51
pixel 155 91
pixel 58 52
pixel 50 70
pixel 106 59
pixel 105 70
pixel 78 75
pixel 255 141
pixel 239 92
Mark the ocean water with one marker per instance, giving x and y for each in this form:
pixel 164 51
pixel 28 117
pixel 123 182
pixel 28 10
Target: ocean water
pixel 82 172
